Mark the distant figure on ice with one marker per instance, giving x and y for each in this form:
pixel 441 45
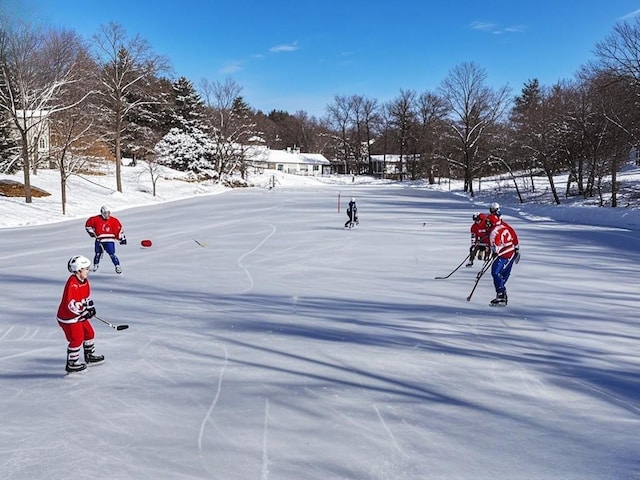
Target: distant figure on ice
pixel 106 229
pixel 506 251
pixel 479 239
pixel 352 213
pixel 74 312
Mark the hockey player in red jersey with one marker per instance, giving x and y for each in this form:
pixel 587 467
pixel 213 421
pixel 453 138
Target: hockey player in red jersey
pixel 74 312
pixel 106 229
pixel 479 239
pixel 506 250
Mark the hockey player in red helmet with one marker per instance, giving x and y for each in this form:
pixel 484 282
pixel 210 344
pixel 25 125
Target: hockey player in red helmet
pixel 479 239
pixel 503 241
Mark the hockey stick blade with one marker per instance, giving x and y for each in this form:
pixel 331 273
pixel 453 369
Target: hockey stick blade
pixel 455 269
pixel 115 327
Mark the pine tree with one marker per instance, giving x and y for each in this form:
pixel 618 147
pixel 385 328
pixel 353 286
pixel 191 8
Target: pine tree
pixel 187 106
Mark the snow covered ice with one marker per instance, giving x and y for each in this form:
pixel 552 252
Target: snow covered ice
pixel 268 342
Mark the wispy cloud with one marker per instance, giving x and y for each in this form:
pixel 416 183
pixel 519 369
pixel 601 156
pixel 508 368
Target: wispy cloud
pixel 291 47
pixel 232 67
pixel 630 15
pixel 484 26
pixel 496 29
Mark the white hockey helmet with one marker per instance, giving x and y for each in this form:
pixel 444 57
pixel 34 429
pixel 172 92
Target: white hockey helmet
pixel 77 263
pixel 105 211
pixel 494 207
pixel 353 199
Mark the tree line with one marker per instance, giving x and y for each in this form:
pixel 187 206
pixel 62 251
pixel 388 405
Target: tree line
pixel 111 96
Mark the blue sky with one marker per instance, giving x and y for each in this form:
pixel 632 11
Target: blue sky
pixel 299 55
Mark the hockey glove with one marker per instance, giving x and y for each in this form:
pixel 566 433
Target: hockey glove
pixel 517 259
pixel 123 240
pixel 88 313
pixel 91 232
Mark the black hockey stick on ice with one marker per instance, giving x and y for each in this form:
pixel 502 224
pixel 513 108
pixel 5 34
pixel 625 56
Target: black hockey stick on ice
pixel 456 269
pixel 485 267
pixel 116 327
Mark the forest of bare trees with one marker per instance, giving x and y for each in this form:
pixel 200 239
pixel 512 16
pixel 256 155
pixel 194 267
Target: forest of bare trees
pixel 111 97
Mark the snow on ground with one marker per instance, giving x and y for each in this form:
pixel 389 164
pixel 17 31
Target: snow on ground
pixel 268 342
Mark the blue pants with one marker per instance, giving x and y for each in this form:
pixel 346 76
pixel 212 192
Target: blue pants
pixel 500 271
pixel 110 248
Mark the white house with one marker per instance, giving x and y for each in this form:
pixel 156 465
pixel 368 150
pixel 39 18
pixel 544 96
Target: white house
pixel 38 134
pixel 290 160
pixel 390 164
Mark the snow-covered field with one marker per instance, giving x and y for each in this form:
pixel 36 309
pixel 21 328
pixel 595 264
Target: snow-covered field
pixel 268 342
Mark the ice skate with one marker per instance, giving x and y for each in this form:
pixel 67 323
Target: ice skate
pixel 500 300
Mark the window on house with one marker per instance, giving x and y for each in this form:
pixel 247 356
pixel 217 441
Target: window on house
pixel 43 143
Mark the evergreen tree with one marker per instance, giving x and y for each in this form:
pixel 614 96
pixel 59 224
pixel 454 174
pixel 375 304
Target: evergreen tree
pixel 188 106
pixel 186 151
pixel 148 123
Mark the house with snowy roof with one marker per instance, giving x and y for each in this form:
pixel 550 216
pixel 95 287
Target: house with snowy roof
pixel 290 160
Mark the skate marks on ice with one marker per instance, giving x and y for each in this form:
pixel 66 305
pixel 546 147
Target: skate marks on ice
pixel 253 250
pixel 13 341
pixel 264 470
pixel 390 433
pixel 208 419
pixel 212 406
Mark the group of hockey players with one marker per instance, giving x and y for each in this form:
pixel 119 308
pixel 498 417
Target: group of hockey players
pixel 76 306
pixel 494 240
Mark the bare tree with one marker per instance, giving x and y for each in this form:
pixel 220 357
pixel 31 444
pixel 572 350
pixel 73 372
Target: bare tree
pixel 231 125
pixel 619 53
pixel 431 111
pixel 36 67
pixel 402 114
pixel 371 120
pixel 73 132
pixel 339 113
pixel 616 72
pixel 126 65
pixel 473 109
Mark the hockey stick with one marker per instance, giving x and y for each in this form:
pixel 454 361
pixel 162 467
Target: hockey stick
pixel 456 269
pixel 116 327
pixel 201 244
pixel 478 277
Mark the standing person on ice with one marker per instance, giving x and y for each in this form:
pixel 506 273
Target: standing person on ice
pixel 74 312
pixel 352 212
pixel 504 245
pixel 106 229
pixel 479 239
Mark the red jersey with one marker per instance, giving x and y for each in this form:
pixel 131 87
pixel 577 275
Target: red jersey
pixel 74 300
pixel 104 230
pixel 479 234
pixel 504 240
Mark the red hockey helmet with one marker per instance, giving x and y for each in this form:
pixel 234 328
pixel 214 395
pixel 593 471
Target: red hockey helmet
pixel 492 220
